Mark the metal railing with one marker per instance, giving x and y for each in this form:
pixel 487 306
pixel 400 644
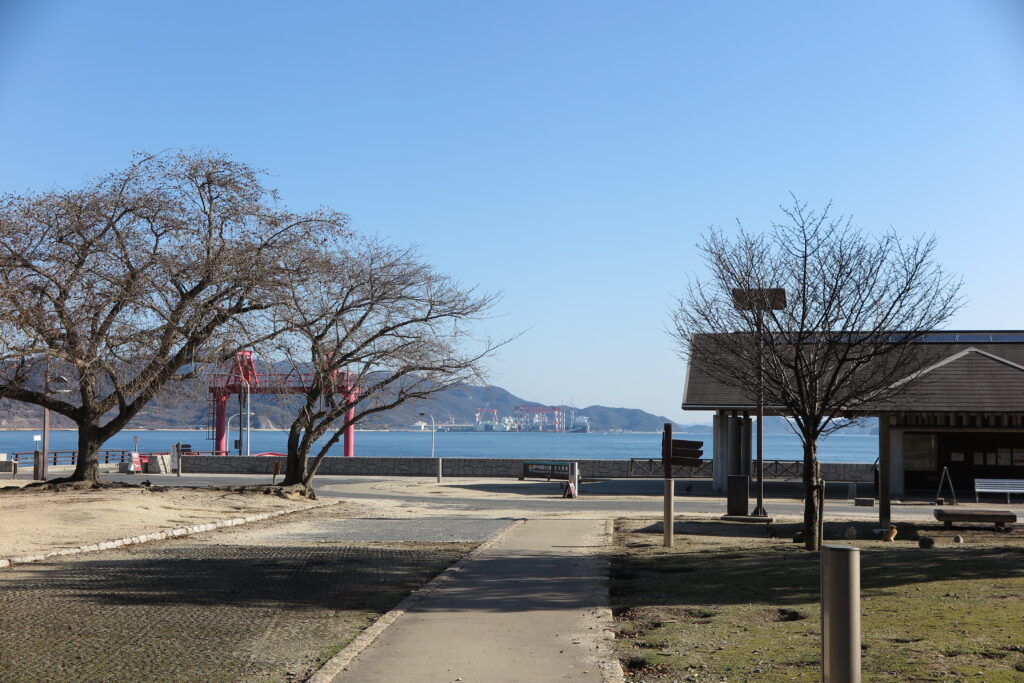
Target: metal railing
pixel 787 470
pixel 106 457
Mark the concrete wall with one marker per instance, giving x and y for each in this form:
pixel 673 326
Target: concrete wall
pixel 453 467
pixel 394 467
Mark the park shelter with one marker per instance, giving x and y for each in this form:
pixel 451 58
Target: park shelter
pixel 964 411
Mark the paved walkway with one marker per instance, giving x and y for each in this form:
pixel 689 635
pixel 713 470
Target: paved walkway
pixel 528 608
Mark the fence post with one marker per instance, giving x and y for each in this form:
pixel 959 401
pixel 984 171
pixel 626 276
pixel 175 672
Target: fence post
pixel 840 614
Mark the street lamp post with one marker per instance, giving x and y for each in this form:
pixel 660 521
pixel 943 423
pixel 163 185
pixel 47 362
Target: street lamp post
pixel 248 419
pixel 228 430
pixel 41 464
pixel 759 301
pixel 39 470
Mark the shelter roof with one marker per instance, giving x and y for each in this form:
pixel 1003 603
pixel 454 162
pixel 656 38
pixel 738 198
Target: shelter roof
pixel 971 372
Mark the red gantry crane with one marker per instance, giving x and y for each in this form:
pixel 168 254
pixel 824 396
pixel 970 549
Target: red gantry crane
pixel 244 380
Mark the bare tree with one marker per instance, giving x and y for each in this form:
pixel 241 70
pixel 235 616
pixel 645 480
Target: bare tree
pixel 376 317
pixel 856 305
pixel 136 280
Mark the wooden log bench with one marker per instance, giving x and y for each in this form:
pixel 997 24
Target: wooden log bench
pixel 1006 486
pixel 998 517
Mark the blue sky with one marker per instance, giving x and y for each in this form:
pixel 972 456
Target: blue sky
pixel 567 154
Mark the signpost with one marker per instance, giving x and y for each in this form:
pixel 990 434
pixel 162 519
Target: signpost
pixel 675 452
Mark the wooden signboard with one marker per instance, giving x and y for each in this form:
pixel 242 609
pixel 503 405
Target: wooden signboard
pixel 678 452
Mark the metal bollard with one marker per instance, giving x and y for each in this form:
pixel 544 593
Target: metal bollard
pixel 439 466
pixel 840 614
pixel 670 505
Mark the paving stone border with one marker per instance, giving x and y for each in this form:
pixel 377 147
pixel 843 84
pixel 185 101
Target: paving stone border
pixel 611 665
pixel 155 536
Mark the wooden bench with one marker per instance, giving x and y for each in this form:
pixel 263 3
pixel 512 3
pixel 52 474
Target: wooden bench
pixel 1006 486
pixel 555 469
pixel 997 517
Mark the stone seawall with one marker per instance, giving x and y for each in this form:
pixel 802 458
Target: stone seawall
pixel 466 467
pixel 394 467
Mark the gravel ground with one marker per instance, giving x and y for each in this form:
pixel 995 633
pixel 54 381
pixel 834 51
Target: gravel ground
pixel 248 605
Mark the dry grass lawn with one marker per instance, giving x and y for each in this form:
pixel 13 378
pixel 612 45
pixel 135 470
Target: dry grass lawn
pixel 730 603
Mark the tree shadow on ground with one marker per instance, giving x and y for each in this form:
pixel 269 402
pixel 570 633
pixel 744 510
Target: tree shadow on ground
pixel 322 576
pixel 781 573
pixel 327 576
pixel 646 486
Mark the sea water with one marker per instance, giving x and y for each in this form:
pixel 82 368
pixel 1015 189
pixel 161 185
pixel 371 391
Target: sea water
pixel 853 448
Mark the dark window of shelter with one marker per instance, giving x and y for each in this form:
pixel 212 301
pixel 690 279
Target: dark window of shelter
pixel 920 453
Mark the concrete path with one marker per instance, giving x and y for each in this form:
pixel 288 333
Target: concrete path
pixel 528 608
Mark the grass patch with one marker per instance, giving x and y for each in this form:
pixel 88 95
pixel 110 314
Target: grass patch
pixel 731 603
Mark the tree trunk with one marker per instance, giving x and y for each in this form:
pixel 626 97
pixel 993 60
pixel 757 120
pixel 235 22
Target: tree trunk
pixel 308 479
pixel 87 469
pixel 812 502
pixel 298 453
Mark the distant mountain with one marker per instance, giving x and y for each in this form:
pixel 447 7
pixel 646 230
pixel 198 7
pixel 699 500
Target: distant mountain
pixel 605 419
pixel 459 405
pixel 188 409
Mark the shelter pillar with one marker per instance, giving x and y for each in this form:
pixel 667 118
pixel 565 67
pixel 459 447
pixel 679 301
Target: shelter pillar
pixel 745 444
pixel 897 478
pixel 719 441
pixel 885 471
pixel 735 440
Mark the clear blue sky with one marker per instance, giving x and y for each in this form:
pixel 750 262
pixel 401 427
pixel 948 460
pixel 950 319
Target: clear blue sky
pixel 567 154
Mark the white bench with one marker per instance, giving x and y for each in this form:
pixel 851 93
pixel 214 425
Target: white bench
pixel 1006 486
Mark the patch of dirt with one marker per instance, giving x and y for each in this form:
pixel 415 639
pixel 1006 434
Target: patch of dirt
pixel 37 521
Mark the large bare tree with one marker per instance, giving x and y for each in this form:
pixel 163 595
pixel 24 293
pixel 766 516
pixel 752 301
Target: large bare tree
pixel 377 317
pixel 856 304
pixel 136 279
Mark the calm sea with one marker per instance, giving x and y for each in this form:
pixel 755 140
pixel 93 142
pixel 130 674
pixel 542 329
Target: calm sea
pixel 838 448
